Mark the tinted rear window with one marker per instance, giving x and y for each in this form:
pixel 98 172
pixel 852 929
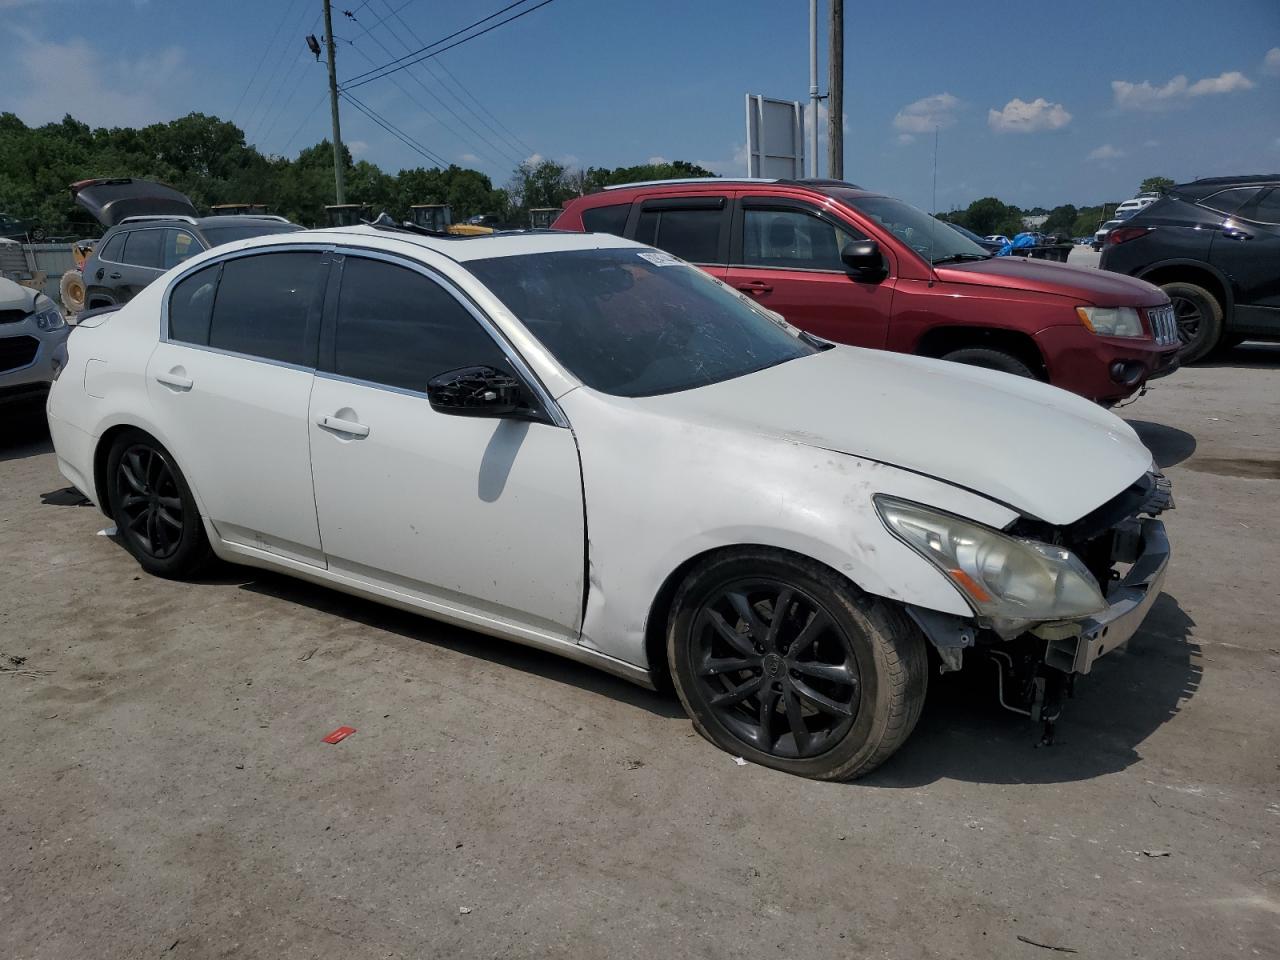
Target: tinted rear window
pixel 229 234
pixel 610 219
pixel 692 235
pixel 262 305
pixel 142 248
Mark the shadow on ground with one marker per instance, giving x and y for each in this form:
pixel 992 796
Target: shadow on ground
pixel 1252 354
pixel 24 432
pixel 965 735
pixel 1168 445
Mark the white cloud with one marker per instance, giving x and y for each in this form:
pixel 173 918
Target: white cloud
pixel 357 147
pixel 1148 96
pixel 1021 116
pixel 656 160
pixel 1105 152
pixel 534 159
pixel 51 79
pixel 1271 62
pixel 926 115
pixel 469 158
pixel 1149 144
pixel 735 167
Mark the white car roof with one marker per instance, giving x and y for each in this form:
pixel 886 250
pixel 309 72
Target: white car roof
pixel 461 249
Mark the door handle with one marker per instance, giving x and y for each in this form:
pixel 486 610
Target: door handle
pixel 349 427
pixel 175 378
pixel 1235 233
pixel 115 276
pixel 755 286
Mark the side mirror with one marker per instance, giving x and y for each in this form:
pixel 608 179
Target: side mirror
pixel 476 392
pixel 863 257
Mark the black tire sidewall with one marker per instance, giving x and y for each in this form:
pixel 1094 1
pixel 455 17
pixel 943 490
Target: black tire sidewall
pixel 193 551
pixel 1210 332
pixel 991 359
pixel 840 602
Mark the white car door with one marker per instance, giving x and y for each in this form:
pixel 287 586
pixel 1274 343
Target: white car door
pixel 230 382
pixel 479 516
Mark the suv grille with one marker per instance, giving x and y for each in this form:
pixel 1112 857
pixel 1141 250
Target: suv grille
pixel 1163 326
pixel 13 316
pixel 17 352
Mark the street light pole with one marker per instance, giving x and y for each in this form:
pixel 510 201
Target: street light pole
pixel 835 93
pixel 813 83
pixel 339 185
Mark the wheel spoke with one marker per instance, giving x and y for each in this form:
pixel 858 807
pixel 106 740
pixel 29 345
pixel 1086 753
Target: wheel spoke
pixel 153 531
pixel 795 719
pixel 742 606
pixel 835 672
pixel 820 700
pixel 171 503
pixel 169 518
pixel 739 642
pixel 804 640
pixel 768 709
pixel 714 666
pixel 737 694
pixel 129 501
pixel 780 607
pixel 130 473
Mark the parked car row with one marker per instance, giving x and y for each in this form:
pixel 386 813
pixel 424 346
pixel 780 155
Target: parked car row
pixel 586 444
pixel 856 267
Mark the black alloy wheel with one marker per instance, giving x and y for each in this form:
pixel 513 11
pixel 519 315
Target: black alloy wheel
pixel 776 668
pixel 1189 316
pixel 150 501
pixel 1199 317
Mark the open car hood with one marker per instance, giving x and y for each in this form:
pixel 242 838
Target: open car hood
pixel 1046 453
pixel 110 201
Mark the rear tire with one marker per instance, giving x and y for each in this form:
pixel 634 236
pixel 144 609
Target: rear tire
pixel 154 511
pixel 783 662
pixel 1199 317
pixel 991 360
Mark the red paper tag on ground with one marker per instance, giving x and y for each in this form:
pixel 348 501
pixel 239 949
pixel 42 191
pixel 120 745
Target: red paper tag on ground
pixel 340 734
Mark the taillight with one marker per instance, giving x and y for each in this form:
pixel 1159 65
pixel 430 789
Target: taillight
pixel 1125 234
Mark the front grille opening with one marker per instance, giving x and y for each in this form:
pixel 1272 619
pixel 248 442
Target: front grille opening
pixel 17 352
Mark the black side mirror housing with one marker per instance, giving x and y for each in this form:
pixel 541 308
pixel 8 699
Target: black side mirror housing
pixel 477 392
pixel 863 256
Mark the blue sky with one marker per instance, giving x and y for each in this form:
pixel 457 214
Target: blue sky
pixel 1037 103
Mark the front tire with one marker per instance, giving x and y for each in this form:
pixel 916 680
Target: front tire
pixel 154 511
pixel 991 360
pixel 778 659
pixel 1199 317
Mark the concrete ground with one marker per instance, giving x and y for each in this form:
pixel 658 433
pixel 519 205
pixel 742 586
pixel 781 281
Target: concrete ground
pixel 164 791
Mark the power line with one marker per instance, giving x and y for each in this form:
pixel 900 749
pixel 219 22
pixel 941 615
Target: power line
pixel 395 131
pixel 266 50
pixel 404 61
pixel 270 81
pixel 309 114
pixel 523 149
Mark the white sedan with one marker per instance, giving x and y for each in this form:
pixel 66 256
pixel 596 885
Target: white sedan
pixel 586 445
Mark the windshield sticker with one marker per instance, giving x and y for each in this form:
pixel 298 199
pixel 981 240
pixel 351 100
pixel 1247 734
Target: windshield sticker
pixel 660 259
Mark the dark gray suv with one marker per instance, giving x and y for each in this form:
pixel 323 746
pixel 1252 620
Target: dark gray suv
pixel 151 228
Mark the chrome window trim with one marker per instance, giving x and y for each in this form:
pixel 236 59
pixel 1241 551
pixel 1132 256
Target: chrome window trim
pixel 486 323
pixel 138 229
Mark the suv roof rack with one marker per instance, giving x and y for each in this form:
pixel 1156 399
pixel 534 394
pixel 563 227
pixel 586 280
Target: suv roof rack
pixel 662 183
pixel 160 216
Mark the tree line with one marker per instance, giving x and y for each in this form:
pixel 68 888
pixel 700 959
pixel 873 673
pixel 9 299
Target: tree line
pixel 208 160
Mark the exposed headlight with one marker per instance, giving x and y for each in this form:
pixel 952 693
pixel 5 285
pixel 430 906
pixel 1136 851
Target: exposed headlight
pixel 48 316
pixel 1112 321
pixel 1008 581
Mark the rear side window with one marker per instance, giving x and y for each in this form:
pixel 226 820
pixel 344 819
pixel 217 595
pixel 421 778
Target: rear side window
pixel 1267 209
pixel 262 306
pixel 179 245
pixel 399 328
pixel 112 248
pixel 1229 201
pixel 792 238
pixel 191 306
pixel 692 235
pixel 610 219
pixel 142 248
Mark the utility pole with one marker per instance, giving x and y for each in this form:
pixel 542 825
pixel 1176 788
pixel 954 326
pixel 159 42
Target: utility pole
pixel 813 83
pixel 339 186
pixel 835 93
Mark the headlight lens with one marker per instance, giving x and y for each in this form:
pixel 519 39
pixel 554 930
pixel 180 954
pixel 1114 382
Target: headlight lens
pixel 48 316
pixel 1111 321
pixel 1009 581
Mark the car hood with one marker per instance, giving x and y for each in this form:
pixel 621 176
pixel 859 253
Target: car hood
pixel 1046 453
pixel 14 296
pixel 1081 284
pixel 110 201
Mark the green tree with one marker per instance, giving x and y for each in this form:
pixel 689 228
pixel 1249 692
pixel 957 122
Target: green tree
pixel 1061 220
pixel 1155 185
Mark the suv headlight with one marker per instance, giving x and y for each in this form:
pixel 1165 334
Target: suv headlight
pixel 48 316
pixel 1111 321
pixel 1009 581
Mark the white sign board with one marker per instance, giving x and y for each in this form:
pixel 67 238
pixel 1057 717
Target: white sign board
pixel 775 138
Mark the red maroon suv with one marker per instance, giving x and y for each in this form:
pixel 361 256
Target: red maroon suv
pixel 857 267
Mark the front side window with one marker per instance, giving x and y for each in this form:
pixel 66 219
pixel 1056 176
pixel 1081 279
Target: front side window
pixel 262 305
pixel 142 248
pixel 636 323
pixel 690 234
pixel 1267 209
pixel 399 328
pixel 179 245
pixel 932 240
pixel 792 238
pixel 1229 201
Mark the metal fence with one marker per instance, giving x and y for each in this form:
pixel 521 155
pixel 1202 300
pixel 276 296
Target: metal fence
pixel 26 262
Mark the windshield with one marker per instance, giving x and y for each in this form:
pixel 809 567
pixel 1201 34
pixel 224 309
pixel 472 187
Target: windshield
pixel 217 235
pixel 922 233
pixel 638 322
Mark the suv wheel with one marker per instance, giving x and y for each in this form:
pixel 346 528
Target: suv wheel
pixel 779 660
pixel 1199 317
pixel 991 359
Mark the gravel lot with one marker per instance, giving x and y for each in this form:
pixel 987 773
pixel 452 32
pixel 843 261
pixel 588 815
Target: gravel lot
pixel 164 791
